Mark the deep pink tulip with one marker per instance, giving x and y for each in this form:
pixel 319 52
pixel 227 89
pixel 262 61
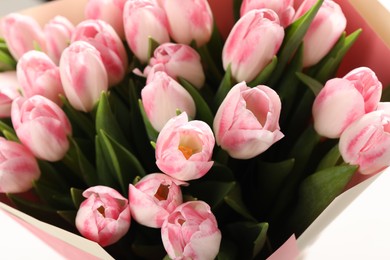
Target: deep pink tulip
pixel 9 86
pixel 104 217
pixel 18 167
pixel 153 198
pixel 104 38
pixel 42 126
pixel 252 43
pixel 343 100
pixel 83 75
pixel 191 232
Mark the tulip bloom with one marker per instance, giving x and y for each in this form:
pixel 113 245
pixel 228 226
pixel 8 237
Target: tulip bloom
pixel 284 8
pixel 191 232
pixel 83 75
pixel 8 92
pixel 104 38
pixel 144 19
pixel 42 126
pixel 252 43
pixel 104 217
pixel 162 97
pixel 18 167
pixel 324 31
pixel 343 100
pixel 189 20
pixel 39 75
pixel 153 198
pixel 184 149
pixel 247 121
pixel 178 60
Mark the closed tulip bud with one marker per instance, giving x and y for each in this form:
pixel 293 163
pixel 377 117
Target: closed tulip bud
pixel 326 28
pixel 8 92
pixel 18 167
pixel 189 20
pixel 247 121
pixel 343 100
pixel 42 126
pixel 39 75
pixel 83 75
pixel 191 232
pixel 103 37
pixel 144 19
pixel 252 43
pixel 58 32
pixel 162 97
pixel 184 148
pixel 104 217
pixel 153 198
pixel 22 33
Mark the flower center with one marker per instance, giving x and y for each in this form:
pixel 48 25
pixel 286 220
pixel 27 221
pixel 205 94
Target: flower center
pixel 189 144
pixel 186 151
pixel 162 192
pixel 101 211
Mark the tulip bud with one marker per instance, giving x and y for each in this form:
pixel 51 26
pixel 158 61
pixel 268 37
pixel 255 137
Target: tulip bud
pixel 104 217
pixel 8 92
pixel 18 167
pixel 162 97
pixel 191 232
pixel 252 43
pixel 83 75
pixel 41 126
pixel 103 37
pixel 39 75
pixel 247 121
pixel 144 19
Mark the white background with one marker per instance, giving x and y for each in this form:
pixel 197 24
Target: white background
pixel 7 6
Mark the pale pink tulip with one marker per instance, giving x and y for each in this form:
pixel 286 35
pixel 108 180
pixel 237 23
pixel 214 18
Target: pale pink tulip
pixel 284 8
pixel 39 75
pixel 252 43
pixel 104 38
pixel 178 60
pixel 144 19
pixel 22 33
pixel 191 232
pixel 162 97
pixel 18 167
pixel 104 217
pixel 42 126
pixel 324 31
pixel 343 100
pixel 153 198
pixel 8 92
pixel 247 121
pixel 58 32
pixel 184 148
pixel 189 20
pixel 83 75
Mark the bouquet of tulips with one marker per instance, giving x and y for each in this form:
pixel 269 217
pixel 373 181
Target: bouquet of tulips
pixel 143 129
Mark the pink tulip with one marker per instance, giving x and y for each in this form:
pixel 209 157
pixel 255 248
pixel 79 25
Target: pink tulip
pixel 144 19
pixel 189 20
pixel 22 33
pixel 343 100
pixel 18 167
pixel 104 38
pixel 153 198
pixel 58 32
pixel 104 217
pixel 284 8
pixel 162 97
pixel 252 43
pixel 83 75
pixel 191 232
pixel 8 92
pixel 247 121
pixel 39 75
pixel 184 148
pixel 178 60
pixel 325 30
pixel 110 11
pixel 42 126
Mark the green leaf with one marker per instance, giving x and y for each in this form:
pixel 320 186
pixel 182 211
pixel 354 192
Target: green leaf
pixel 152 45
pixel 227 250
pixel 312 83
pixel 224 88
pixel 8 131
pixel 103 170
pixel 152 133
pixel 234 200
pixel 52 196
pixel 330 159
pixel 68 215
pixel 77 197
pixel 212 68
pixel 50 174
pixel 7 62
pixel 265 74
pixel 236 9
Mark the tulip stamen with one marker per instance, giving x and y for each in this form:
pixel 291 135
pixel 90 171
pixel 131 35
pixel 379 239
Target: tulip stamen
pixel 101 211
pixel 162 192
pixel 186 151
